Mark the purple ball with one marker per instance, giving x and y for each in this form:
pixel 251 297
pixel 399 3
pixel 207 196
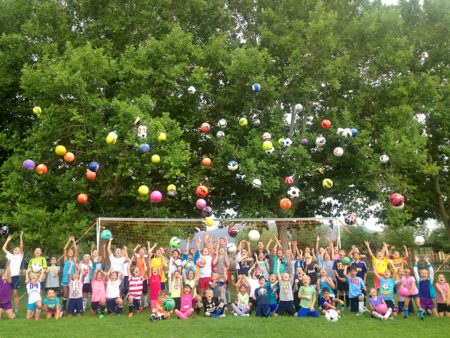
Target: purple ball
pixel 28 165
pixel 94 166
pixel 304 141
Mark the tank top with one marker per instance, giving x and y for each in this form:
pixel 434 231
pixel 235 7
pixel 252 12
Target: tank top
pixel 242 300
pixel 220 265
pixel 325 284
pixel 67 263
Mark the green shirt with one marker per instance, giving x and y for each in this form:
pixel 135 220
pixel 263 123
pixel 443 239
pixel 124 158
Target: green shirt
pixel 306 291
pixel 40 260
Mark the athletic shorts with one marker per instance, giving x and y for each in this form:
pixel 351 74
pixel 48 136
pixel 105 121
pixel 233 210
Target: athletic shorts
pixel 376 281
pixel 15 282
pixel 342 286
pixel 427 303
pixel 125 286
pixel 354 306
pixel 263 310
pixel 441 307
pixel 411 297
pixel 273 307
pixel 286 306
pixel 111 305
pixel 204 282
pixel 390 304
pixel 75 305
pixel 6 306
pixel 87 288
pixel 163 286
pixel 137 303
pixel 177 302
pixel 51 311
pixel 305 311
pixel 32 306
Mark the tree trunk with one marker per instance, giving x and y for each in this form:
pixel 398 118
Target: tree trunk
pixel 442 210
pixel 282 235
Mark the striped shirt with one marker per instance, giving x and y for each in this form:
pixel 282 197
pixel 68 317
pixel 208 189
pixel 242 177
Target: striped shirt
pixel 135 286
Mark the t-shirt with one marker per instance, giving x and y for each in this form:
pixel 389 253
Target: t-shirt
pixel 400 298
pixel 282 264
pixel 210 306
pixel 113 288
pixel 185 302
pixel 309 292
pixel 51 305
pixel 339 267
pixel 159 309
pixel 40 260
pixel 135 286
pixel 328 266
pixel 52 280
pixel 410 283
pixel 237 257
pixel 155 286
pixel 424 288
pixel 172 266
pixel 272 292
pixel 387 288
pixel 15 261
pixel 216 289
pixel 140 263
pixel 444 288
pixel 34 292
pixel 242 300
pixel 254 284
pixel 176 287
pixel 66 268
pixel 399 263
pixel 376 302
pixel 206 271
pixel 75 289
pixel 355 285
pixel 361 269
pixel 262 295
pixel 325 303
pixel 117 264
pixel 85 271
pixel 98 290
pixel 310 270
pixel 244 267
pixel 285 290
pixel 5 291
pixel 221 263
pixel 384 263
pixel 161 264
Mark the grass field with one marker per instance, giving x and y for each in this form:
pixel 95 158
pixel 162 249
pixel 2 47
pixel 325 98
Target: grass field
pixel 139 325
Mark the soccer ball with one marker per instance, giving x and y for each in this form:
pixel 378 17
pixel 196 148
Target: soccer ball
pixel 143 190
pixel 338 151
pixel 350 219
pixel 201 203
pixel 270 151
pixel 256 87
pixel 202 191
pixel 233 165
pixel 304 142
pixel 256 183
pixel 222 123
pixel 106 234
pixel 293 192
pixel 209 222
pixel 340 131
pixel 231 247
pixel 266 136
pixel 137 121
pixel 172 194
pixel 205 127
pixel 384 159
pixel 285 203
pixel 354 132
pixel 207 211
pixel 37 110
pixel 267 145
pixel 93 166
pixel 347 132
pixel 332 316
pixel 144 148
pixel 142 135
pixel 174 242
pixel 280 141
pixel 233 231
pixel 287 142
pixel 346 261
pixel 256 123
pixel 162 137
pixel 142 128
pixel 326 124
pixel 396 199
pixel 419 240
pixel 320 141
pixel 320 171
pixel 36 267
pixel 168 304
pixel 90 175
pixel 298 107
pixel 327 183
pixel 243 121
pixel 253 235
pixel 220 134
pixel 111 138
pixel 191 90
pixel 289 180
pixel 4 231
pixel 171 187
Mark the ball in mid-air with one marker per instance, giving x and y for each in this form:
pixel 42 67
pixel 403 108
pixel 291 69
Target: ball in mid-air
pixel 202 191
pixel 162 137
pixel 285 203
pixel 156 196
pixel 136 120
pixel 106 234
pixel 346 261
pixel 270 151
pixel 200 204
pixel 396 199
pixel 143 190
pixel 156 158
pixel 191 90
pixel 209 221
pixel 60 150
pixel 233 231
pixel 289 180
pixel 384 159
pixel 287 142
pixel 256 123
pixel 94 166
pixel 220 134
pixel 28 165
pixel 327 183
pixel 253 235
pixel 69 157
pixel 231 247
pixel 350 219
pixel 82 198
pixel 171 187
pixel 419 240
pixel 347 132
pixel 142 135
pixel 243 121
pixel 90 175
pixel 41 169
pixel 320 171
pixel 298 108
pixel 4 230
pixel 267 145
pixel 326 124
pixel 266 136
pixel 206 161
pixel 205 127
pixel 37 110
pixel 207 211
pixel 174 242
pixel 144 148
pixel 293 192
pixel 172 194
pixel 222 123
pixel 233 165
pixel 256 87
pixel 320 141
pixel 256 183
pixel 354 132
pixel 111 138
pixel 36 267
pixel 338 151
pixel 304 142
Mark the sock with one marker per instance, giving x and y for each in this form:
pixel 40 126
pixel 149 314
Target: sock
pixel 145 301
pixel 119 309
pixel 181 315
pixel 102 309
pixel 429 311
pixel 16 303
pixel 379 316
pixel 420 313
pixel 64 303
pixel 388 313
pixel 130 307
pixel 347 300
pixel 84 304
pixel 38 312
pixel 405 311
pixel 361 306
pixel 236 309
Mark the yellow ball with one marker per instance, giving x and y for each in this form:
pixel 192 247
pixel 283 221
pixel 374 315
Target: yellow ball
pixel 327 183
pixel 37 110
pixel 171 187
pixel 267 145
pixel 243 121
pixel 162 137
pixel 209 222
pixel 60 150
pixel 156 158
pixel 281 141
pixel 143 190
pixel 111 138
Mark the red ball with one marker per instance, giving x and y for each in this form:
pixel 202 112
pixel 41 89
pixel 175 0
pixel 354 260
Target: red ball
pixel 41 169
pixel 69 157
pixel 205 127
pixel 285 203
pixel 82 198
pixel 202 191
pixel 289 180
pixel 396 199
pixel 326 124
pixel 90 175
pixel 233 231
pixel 206 161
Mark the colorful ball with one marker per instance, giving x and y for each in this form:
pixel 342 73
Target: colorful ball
pixel 243 121
pixel 60 150
pixel 320 171
pixel 168 304
pixel 156 159
pixel 267 145
pixel 137 121
pixel 28 165
pixel 327 183
pixel 144 148
pixel 201 262
pixel 326 124
pixel 354 132
pixel 156 196
pixel 82 198
pixel 396 199
pixel 206 161
pixel 338 152
pixel 174 242
pixel 143 190
pixel 69 157
pixel 111 138
pixel 142 135
pixel 346 261
pixel 41 169
pixel 106 234
pixel 233 231
pixel 205 127
pixel 287 142
pixel 90 175
pixel 304 142
pixel 266 136
pixel 202 191
pixel 233 165
pixel 289 180
pixel 281 141
pixel 382 309
pixel 207 211
pixel 37 110
pixel 403 291
pixel 171 187
pixel 94 166
pixel 285 203
pixel 256 87
pixel 4 230
pixel 162 137
pixel 209 221
pixel 350 219
pixel 142 129
pixel 200 204
pixel 253 235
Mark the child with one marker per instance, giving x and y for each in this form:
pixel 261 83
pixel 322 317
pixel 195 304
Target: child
pixel 409 282
pixel 263 263
pixel 15 260
pixel 325 282
pixel 52 305
pixel 38 260
pixel 186 309
pixel 241 306
pixel 5 293
pixel 379 260
pixel 174 265
pixel 160 263
pixel 327 300
pixel 86 269
pixel 213 308
pixel 155 286
pixel 190 277
pixel 135 287
pixel 307 296
pixel 33 284
pixel 298 282
pixel 113 301
pixel 285 283
pixel 374 301
pixel 98 298
pixel 158 313
pixel 218 285
pixel 387 286
pixel 273 286
pixel 261 297
pixel 52 282
pixel 342 285
pixel 75 293
pixel 356 287
pixel 442 297
pixel 70 258
pixel 177 284
pixel 426 289
pixel 400 299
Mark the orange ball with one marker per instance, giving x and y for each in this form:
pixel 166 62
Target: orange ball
pixel 41 169
pixel 206 161
pixel 326 124
pixel 69 157
pixel 285 203
pixel 90 175
pixel 82 198
pixel 205 127
pixel 202 191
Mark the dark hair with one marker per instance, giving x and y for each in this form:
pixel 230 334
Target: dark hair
pixel 325 289
pixel 262 277
pixel 351 268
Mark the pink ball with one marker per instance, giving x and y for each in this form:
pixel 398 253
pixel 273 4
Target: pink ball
pixel 156 196
pixel 381 308
pixel 201 203
pixel 404 292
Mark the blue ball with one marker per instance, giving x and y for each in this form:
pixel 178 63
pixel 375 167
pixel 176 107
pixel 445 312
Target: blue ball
pixel 94 166
pixel 144 148
pixel 106 234
pixel 354 132
pixel 207 211
pixel 256 87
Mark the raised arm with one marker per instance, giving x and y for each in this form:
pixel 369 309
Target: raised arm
pixel 317 243
pixel 75 249
pixel 406 252
pixel 187 246
pixel 375 269
pixel 6 244
pixel 92 250
pixel 369 250
pixel 8 271
pixel 430 268
pixel 65 247
pixel 21 243
pixel 108 248
pixel 249 249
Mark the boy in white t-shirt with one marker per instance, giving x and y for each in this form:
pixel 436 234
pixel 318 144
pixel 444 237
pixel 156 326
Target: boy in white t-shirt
pixel 15 261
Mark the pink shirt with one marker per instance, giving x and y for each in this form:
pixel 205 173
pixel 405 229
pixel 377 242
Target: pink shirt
pixel 98 290
pixel 185 302
pixel 410 283
pixel 155 286
pixel 444 288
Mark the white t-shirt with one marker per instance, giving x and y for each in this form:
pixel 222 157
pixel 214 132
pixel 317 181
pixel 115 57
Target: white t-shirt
pixel 86 271
pixel 254 284
pixel 34 292
pixel 237 257
pixel 125 268
pixel 117 264
pixel 173 267
pixel 113 288
pixel 206 271
pixel 15 263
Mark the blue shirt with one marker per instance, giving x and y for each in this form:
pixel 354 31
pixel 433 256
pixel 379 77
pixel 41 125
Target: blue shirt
pixel 94 267
pixel 272 292
pixel 339 267
pixel 387 288
pixel 355 285
pixel 361 269
pixel 51 305
pixel 262 295
pixel 186 257
pixel 64 280
pixel 282 265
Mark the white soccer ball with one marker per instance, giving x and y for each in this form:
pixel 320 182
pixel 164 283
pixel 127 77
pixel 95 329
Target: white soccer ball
pixel 340 131
pixel 270 151
pixel 142 135
pixel 347 132
pixel 142 128
pixel 220 134
pixel 298 107
pixel 419 240
pixel 287 142
pixel 233 165
pixel 293 192
pixel 253 235
pixel 256 183
pixel 338 152
pixel 332 316
pixel 320 141
pixel 222 123
pixel 231 247
pixel 191 90
pixel 266 136
pixel 36 267
pixel 384 159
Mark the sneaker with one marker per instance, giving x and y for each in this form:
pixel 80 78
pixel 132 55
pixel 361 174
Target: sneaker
pixel 359 313
pixel 342 308
pixel 384 318
pixel 235 314
pixel 405 317
pixel 61 313
pixel 101 316
pixel 119 314
pixel 130 314
pixel 391 318
pixel 222 316
pixel 37 318
pixel 153 317
pixel 366 309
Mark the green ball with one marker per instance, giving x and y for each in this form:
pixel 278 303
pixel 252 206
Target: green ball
pixel 346 261
pixel 168 304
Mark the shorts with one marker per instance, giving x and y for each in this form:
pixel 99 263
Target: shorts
pixel 354 306
pixel 263 310
pixel 145 287
pixel 305 311
pixel 286 306
pixel 111 305
pixel 427 303
pixel 177 302
pixel 51 311
pixel 390 304
pixel 273 307
pixel 137 303
pixel 75 305
pixel 15 282
pixel 401 306
pixel 442 307
pixel 204 282
pixel 6 306
pixel 342 286
pixel 125 286
pixel 87 288
pixel 32 306
pixel 163 286
pixel 411 297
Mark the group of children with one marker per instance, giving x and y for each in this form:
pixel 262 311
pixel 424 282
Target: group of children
pixel 271 281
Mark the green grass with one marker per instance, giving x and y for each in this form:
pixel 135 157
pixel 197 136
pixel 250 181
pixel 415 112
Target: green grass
pixel 348 325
